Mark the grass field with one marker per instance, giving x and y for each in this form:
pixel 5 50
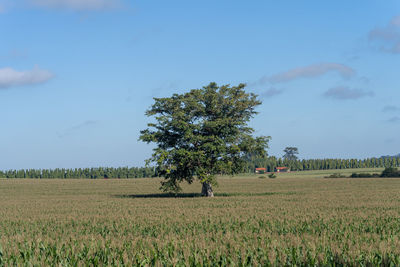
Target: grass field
pixel 295 219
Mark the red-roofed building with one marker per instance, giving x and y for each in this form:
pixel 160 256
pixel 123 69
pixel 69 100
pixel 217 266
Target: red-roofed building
pixel 282 169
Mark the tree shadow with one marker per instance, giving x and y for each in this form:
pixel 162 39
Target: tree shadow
pixel 197 195
pixel 161 195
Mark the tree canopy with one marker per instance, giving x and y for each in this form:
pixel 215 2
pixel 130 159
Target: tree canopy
pixel 291 153
pixel 202 133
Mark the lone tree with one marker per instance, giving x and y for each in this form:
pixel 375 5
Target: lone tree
pixel 291 153
pixel 202 133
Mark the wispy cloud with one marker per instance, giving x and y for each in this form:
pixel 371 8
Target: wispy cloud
pixel 395 21
pixel 77 127
pixel 272 92
pixel 15 54
pixel 4 5
pixel 394 119
pixel 345 93
pixel 310 71
pixel 77 4
pixel 388 36
pixel 11 78
pixel 390 108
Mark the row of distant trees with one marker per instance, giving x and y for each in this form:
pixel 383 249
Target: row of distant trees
pixel 270 163
pixel 86 173
pixel 320 164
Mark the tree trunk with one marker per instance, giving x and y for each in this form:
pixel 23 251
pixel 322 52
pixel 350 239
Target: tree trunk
pixel 206 190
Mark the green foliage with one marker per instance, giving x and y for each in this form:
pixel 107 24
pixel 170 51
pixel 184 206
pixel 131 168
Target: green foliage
pixel 364 175
pixel 306 222
pixel 272 175
pixel 291 153
pixel 390 172
pixel 202 133
pixel 319 164
pixel 251 163
pixel 86 173
pixel 173 254
pixel 386 173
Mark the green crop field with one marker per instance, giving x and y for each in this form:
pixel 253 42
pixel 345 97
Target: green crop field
pixel 295 219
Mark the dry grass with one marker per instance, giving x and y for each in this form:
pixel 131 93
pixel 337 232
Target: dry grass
pixel 293 219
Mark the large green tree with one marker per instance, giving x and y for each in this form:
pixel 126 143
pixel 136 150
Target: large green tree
pixel 202 133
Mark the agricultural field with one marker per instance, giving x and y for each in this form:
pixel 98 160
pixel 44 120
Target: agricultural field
pixel 294 219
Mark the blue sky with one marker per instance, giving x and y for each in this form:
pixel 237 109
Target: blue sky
pixel 76 76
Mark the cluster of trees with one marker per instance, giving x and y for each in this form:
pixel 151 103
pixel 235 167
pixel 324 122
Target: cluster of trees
pixel 389 172
pixel 320 164
pixel 253 162
pixel 88 173
pixel 363 175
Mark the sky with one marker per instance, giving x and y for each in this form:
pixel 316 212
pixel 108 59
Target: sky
pixel 76 76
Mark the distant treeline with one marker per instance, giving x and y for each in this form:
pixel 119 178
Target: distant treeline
pixel 269 163
pixel 86 173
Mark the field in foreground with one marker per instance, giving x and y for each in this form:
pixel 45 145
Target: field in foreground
pixel 294 219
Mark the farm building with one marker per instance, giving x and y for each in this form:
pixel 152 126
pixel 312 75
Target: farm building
pixel 282 169
pixel 261 170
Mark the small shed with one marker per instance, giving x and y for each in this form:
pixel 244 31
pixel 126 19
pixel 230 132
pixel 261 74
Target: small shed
pixel 282 169
pixel 261 170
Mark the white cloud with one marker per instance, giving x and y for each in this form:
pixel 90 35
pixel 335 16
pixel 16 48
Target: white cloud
pixel 11 78
pixel 344 93
pixel 77 4
pixel 311 71
pixel 388 36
